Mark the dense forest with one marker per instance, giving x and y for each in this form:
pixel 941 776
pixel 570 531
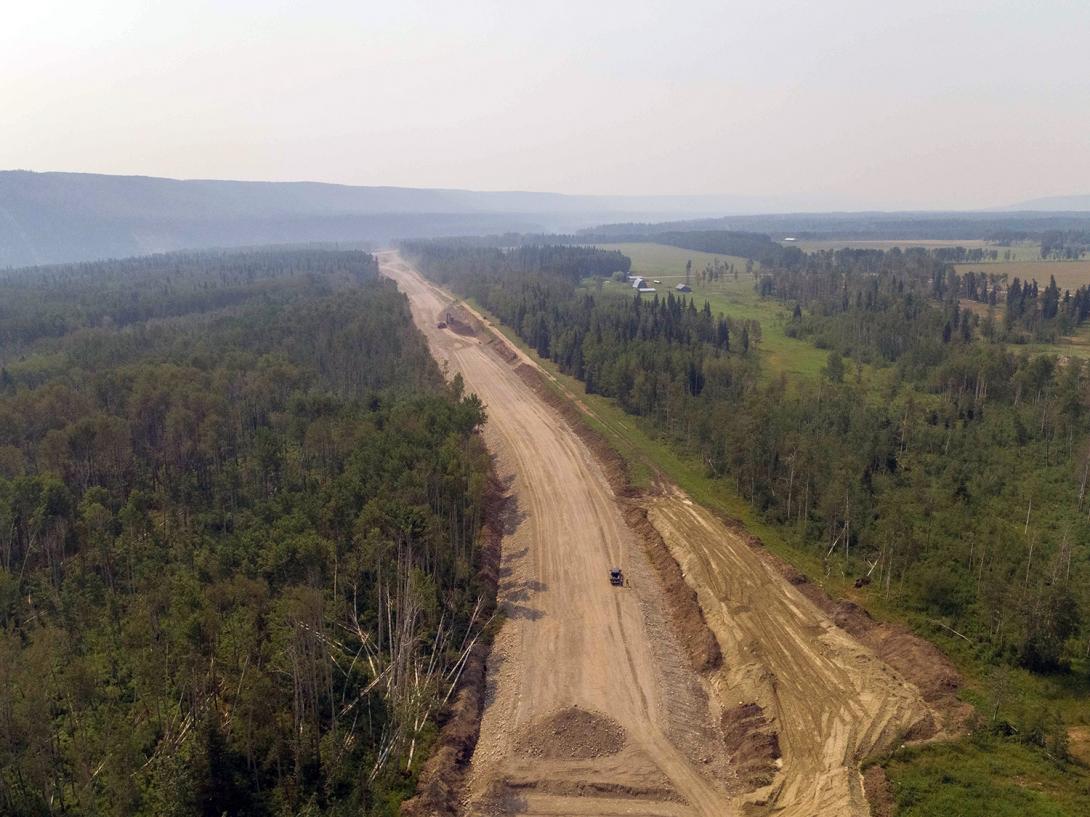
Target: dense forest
pixel 951 476
pixel 633 349
pixel 754 246
pixel 238 519
pixel 998 227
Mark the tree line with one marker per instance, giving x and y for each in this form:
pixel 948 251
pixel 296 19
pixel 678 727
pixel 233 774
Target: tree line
pixel 1065 245
pixel 880 304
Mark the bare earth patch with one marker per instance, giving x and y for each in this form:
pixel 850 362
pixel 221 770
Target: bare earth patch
pixel 1078 743
pixel 752 743
pixel 879 795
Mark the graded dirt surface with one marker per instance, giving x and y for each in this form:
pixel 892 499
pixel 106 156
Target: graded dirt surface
pixel 570 638
pixel 832 700
pixel 779 728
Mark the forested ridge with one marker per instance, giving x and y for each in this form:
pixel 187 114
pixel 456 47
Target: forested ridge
pixel 238 518
pixel 951 478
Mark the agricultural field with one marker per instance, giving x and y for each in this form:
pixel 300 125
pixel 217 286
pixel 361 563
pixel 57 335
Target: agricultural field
pixel 734 298
pixel 781 354
pixel 1069 274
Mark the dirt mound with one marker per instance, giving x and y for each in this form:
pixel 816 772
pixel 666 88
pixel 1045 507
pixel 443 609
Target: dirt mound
pixel 572 734
pixel 501 348
pixel 752 743
pixel 918 660
pixel 461 322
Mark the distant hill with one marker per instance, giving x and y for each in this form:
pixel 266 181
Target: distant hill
pixel 61 217
pixel 1054 204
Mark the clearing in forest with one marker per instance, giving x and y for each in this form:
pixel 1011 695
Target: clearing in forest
pixel 734 296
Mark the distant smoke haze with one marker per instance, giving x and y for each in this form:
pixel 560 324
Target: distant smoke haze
pixel 59 217
pixel 846 104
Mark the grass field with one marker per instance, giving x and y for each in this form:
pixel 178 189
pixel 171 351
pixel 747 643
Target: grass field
pixel 1077 346
pixel 984 779
pixel 1070 275
pixel 737 299
pixel 797 358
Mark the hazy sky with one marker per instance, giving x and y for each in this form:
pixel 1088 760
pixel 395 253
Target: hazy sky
pixel 825 103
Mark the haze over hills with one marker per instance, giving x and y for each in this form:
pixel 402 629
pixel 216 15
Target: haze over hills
pixel 61 217
pixel 1054 204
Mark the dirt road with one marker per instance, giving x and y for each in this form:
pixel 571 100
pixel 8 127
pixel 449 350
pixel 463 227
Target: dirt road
pixel 592 707
pixel 571 640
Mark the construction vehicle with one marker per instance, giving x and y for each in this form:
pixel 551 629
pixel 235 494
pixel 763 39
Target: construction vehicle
pixel 616 577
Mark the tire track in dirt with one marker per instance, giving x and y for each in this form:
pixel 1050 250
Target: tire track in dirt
pixel 832 701
pixel 570 639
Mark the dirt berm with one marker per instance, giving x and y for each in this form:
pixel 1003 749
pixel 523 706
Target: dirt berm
pixel 916 658
pixel 572 733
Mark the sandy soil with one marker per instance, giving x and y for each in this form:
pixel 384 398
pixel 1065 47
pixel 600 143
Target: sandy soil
pixel 831 699
pixel 571 640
